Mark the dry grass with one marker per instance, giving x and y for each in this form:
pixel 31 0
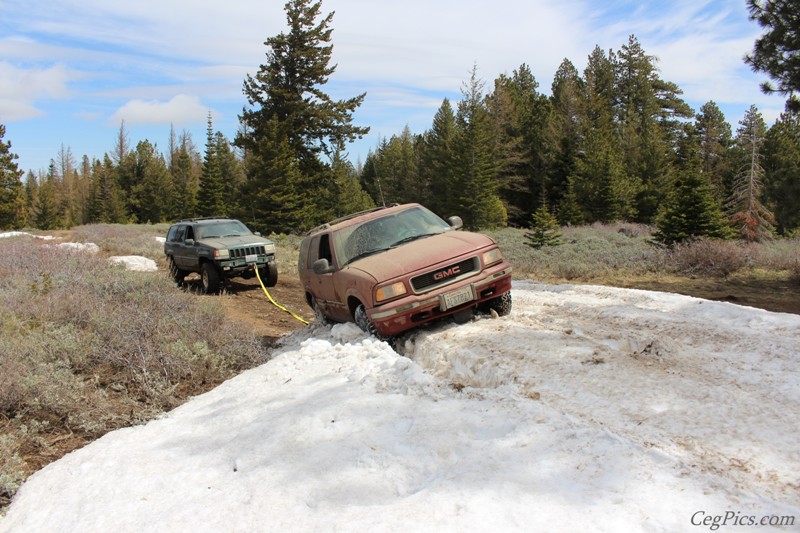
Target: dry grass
pixel 86 347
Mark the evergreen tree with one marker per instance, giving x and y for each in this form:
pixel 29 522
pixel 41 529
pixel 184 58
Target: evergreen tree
pixel 46 209
pixel 476 180
pixel 600 183
pixel 152 193
pixel 564 138
pixel 753 221
pixel 777 51
pixel 12 199
pixel 544 229
pixel 782 171
pixel 350 197
pixel 691 211
pixel 211 197
pixel 715 138
pixel 292 122
pixel 438 159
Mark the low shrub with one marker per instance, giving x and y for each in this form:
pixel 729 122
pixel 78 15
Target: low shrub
pixel 87 347
pixel 710 257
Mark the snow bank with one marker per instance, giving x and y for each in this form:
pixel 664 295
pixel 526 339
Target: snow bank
pixel 8 234
pixel 134 262
pixel 586 409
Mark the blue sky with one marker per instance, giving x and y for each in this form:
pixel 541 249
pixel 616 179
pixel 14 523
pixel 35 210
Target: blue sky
pixel 72 70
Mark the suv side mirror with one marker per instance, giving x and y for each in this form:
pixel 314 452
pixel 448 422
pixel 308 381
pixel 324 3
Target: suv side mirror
pixel 321 266
pixel 455 222
pixel 189 242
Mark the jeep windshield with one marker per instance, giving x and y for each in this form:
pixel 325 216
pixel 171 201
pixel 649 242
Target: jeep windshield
pixel 228 228
pixel 376 235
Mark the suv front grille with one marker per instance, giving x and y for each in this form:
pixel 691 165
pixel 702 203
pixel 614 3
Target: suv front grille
pixel 236 253
pixel 442 276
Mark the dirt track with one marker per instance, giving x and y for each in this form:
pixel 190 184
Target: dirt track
pixel 245 302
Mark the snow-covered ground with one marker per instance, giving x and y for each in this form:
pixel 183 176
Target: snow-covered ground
pixel 587 409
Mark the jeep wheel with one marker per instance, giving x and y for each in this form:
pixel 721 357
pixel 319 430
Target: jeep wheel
pixel 209 275
pixel 363 321
pixel 501 304
pixel 269 274
pixel 176 273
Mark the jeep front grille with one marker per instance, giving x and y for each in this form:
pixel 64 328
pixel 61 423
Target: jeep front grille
pixel 444 275
pixel 236 253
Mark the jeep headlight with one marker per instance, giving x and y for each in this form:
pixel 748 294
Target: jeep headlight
pixel 269 248
pixel 491 257
pixel 221 254
pixel 390 291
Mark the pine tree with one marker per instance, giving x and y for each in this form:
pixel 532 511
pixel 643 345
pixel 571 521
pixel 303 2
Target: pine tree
pixel 291 121
pixel 600 183
pixel 211 197
pixel 476 195
pixel 439 157
pixel 753 221
pixel 350 197
pixel 544 229
pixel 12 199
pixel 565 139
pixel 782 171
pixel 715 138
pixel 776 52
pixel 691 211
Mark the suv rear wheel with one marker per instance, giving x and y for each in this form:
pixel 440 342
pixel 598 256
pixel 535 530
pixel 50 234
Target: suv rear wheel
pixel 210 278
pixel 176 273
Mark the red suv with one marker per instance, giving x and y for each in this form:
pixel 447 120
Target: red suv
pixel 393 268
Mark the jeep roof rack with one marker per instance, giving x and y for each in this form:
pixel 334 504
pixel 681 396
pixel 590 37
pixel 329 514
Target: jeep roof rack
pixel 196 219
pixel 348 217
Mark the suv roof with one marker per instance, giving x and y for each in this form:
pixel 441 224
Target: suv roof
pixel 356 218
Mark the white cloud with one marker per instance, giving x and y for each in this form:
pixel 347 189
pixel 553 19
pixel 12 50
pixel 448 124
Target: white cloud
pixel 181 109
pixel 20 88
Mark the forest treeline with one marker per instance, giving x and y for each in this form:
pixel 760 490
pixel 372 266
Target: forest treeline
pixel 615 142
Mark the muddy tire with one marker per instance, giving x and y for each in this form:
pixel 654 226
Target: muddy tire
pixel 176 274
pixel 269 274
pixel 319 316
pixel 363 321
pixel 209 277
pixel 500 305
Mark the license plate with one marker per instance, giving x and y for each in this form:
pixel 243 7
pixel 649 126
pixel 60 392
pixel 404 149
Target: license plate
pixel 457 297
pixel 251 258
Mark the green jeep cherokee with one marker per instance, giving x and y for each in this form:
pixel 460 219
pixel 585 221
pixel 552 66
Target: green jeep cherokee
pixel 218 249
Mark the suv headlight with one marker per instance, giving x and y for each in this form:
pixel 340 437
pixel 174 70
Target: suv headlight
pixel 221 254
pixel 390 291
pixel 269 248
pixel 491 257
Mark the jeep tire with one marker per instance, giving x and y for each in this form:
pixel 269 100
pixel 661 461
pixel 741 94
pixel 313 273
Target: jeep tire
pixel 269 274
pixel 209 277
pixel 176 274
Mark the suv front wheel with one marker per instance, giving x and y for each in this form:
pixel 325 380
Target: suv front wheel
pixel 209 275
pixel 363 322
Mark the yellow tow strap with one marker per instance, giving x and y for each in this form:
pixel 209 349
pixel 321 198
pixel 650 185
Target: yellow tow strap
pixel 276 304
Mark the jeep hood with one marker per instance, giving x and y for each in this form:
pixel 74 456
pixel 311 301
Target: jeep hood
pixel 235 242
pixel 421 254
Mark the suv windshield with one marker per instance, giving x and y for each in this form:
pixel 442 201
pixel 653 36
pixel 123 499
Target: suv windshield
pixel 229 228
pixel 354 242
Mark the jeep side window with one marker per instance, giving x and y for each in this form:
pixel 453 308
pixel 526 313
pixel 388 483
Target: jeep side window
pixel 180 233
pixel 171 234
pixel 189 232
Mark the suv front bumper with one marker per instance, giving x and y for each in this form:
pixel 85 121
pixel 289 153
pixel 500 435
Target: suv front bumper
pixel 405 313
